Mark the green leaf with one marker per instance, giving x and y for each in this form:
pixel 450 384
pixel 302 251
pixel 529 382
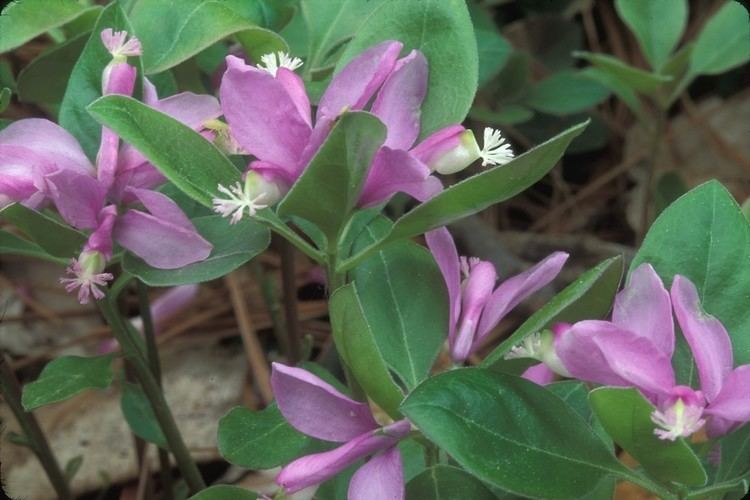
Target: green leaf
pixel 171 35
pixel 65 377
pixel 261 439
pixel 5 94
pixel 13 245
pixel 704 237
pixel 329 24
pixel 617 86
pixel 355 342
pixel 73 466
pixel 336 174
pixel 22 21
pixel 185 157
pixel 224 492
pixel 637 79
pixel 723 43
pixel 445 482
pixel 140 416
pixel 85 83
pixel 626 416
pixel 588 297
pixel 45 78
pixel 510 433
pixel 492 49
pixel 735 455
pixel 566 92
pixel 405 302
pixel 234 245
pixel 508 114
pixel 657 25
pixel 483 190
pixel 55 238
pixel 442 30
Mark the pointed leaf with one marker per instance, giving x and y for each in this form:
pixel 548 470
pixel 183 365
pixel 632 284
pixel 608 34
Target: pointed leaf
pixel 225 492
pixel 723 42
pixel 187 159
pixel 56 238
pixel 635 78
pixel 356 344
pixel 589 297
pixel 656 24
pixel 336 173
pixel 140 416
pixel 65 377
pixel 510 433
pixel 445 482
pixel 13 245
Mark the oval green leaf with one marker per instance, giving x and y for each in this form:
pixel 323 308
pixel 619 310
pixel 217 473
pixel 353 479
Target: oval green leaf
pixel 65 377
pixel 705 237
pixel 724 42
pixel 444 482
pixel 234 245
pixel 626 416
pixel 511 433
pixel 11 244
pixel 566 92
pixel 355 342
pixel 442 30
pixel 184 156
pixel 635 78
pixel 140 416
pixel 261 439
pixel 55 238
pixel 336 174
pixel 225 492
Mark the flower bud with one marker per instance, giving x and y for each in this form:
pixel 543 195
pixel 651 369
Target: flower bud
pixel 449 150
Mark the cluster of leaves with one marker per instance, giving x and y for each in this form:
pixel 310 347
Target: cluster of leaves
pixel 505 436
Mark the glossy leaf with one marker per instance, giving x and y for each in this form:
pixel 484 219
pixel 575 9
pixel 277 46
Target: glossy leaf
pixel 336 173
pixel 233 246
pixel 261 439
pixel 404 299
pixel 22 21
pixel 566 92
pixel 704 236
pixel 11 244
pixel 329 24
pixel 66 376
pixel 510 433
pixel 85 83
pixel 355 342
pixel 445 482
pixel 45 78
pixel 56 238
pixel 140 416
pixel 442 30
pixel 635 78
pixel 588 297
pixel 723 42
pixel 224 492
pixel 185 157
pixel 172 35
pixel 626 416
pixel 657 25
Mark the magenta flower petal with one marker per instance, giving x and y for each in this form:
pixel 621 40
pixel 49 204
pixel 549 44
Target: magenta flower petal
pixel 162 206
pixel 440 242
pixel 100 240
pixel 18 168
pixel 159 242
pixel 49 142
pixel 644 308
pixel 707 337
pixel 191 109
pixel 602 352
pixel 539 374
pixel 396 171
pixel 438 144
pixel 315 469
pixel 316 408
pixel 381 478
pixel 399 101
pixel 171 302
pixel 733 402
pixel 353 87
pixel 262 116
pixel 295 87
pixel 516 289
pixel 78 197
pixel 477 289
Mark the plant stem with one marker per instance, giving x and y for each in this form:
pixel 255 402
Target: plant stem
pixel 268 291
pixel 290 303
pixel 152 353
pixel 11 391
pixel 278 226
pixel 153 392
pixel 651 161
